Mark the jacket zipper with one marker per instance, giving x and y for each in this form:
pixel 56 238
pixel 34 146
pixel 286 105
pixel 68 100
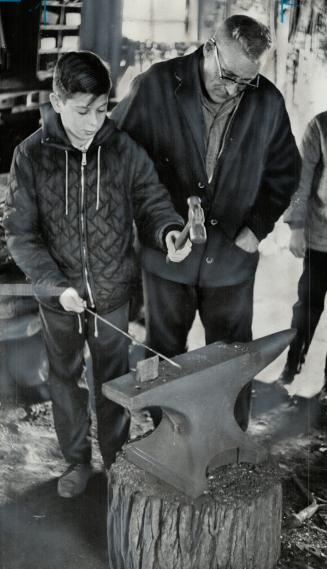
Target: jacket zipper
pixel 86 274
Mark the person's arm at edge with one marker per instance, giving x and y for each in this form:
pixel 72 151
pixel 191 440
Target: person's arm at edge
pixel 296 214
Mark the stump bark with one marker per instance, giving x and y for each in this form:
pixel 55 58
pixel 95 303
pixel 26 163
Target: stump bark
pixel 235 525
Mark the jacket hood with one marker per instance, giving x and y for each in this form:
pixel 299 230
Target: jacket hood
pixel 54 134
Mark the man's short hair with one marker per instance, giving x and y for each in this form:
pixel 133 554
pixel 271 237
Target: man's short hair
pixel 253 36
pixel 81 72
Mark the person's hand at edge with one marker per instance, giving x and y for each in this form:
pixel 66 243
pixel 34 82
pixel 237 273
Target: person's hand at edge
pixel 297 243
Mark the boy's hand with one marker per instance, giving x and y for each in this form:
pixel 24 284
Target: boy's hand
pixel 297 243
pixel 176 256
pixel 71 301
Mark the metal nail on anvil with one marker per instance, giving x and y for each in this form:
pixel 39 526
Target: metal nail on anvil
pixel 198 430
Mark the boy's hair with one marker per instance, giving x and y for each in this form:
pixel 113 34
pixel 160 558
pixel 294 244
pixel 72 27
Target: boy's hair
pixel 253 36
pixel 81 72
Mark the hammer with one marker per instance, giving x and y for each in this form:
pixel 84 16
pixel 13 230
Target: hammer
pixel 194 229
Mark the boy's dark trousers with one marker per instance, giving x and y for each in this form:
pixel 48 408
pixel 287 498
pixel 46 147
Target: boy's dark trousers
pixel 65 349
pixel 307 310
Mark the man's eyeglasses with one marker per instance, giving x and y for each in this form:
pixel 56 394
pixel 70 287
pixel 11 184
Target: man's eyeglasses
pixel 229 77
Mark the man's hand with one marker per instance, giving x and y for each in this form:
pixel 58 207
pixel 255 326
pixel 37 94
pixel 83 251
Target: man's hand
pixel 176 256
pixel 247 241
pixel 297 243
pixel 71 301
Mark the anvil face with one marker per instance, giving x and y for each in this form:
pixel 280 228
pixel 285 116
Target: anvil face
pixel 198 428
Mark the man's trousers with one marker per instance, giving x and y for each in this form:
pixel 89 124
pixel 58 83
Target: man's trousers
pixel 226 314
pixel 65 335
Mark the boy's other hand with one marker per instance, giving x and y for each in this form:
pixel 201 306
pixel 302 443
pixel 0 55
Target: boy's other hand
pixel 71 301
pixel 173 254
pixel 297 243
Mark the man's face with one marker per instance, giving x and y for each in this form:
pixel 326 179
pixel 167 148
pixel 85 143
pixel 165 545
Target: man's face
pixel 82 115
pixel 233 62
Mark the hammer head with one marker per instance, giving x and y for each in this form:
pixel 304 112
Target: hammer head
pixel 198 232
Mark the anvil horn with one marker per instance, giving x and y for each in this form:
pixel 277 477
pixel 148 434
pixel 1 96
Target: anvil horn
pixel 270 347
pixel 198 426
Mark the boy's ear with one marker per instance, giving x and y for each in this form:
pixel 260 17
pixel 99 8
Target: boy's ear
pixel 56 102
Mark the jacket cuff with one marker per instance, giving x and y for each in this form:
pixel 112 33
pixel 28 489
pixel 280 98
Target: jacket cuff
pixel 295 224
pixel 53 287
pixel 295 216
pixel 257 225
pixel 163 232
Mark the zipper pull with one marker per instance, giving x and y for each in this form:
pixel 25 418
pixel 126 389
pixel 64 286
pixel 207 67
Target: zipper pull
pixel 84 162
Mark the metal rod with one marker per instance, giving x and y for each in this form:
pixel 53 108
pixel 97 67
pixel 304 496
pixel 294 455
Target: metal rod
pixel 31 290
pixel 133 339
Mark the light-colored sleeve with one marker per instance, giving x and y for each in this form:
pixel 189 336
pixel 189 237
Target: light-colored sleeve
pixel 310 150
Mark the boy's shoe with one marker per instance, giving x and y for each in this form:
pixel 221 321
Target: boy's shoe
pixel 74 480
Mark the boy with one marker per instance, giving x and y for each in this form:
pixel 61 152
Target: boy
pixel 76 185
pixel 307 218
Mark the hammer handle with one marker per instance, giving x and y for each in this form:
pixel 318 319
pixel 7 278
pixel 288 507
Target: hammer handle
pixel 183 236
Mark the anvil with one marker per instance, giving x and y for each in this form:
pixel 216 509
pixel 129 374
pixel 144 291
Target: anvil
pixel 198 430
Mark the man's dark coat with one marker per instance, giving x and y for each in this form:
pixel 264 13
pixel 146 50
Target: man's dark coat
pixel 256 173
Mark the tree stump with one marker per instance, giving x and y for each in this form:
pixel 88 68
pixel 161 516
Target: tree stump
pixel 236 524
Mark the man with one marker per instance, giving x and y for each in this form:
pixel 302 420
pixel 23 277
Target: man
pixel 307 218
pixel 217 129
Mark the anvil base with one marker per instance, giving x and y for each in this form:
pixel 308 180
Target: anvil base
pixel 164 454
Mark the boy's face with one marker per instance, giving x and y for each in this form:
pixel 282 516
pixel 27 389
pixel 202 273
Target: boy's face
pixel 82 115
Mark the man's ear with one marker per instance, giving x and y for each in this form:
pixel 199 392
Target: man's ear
pixel 56 102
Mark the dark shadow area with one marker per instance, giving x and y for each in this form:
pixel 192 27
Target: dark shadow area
pixel 288 416
pixel 41 531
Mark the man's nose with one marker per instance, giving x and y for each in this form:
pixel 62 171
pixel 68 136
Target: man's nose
pixel 232 88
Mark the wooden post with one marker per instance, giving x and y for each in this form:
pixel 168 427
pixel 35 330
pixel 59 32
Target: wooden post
pixel 235 525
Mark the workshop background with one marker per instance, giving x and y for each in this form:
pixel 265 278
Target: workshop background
pixel 130 35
